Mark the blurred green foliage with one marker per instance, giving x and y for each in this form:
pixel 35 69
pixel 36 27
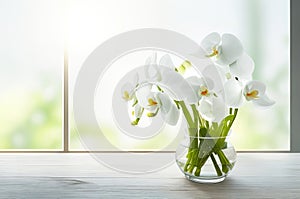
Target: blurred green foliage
pixel 31 119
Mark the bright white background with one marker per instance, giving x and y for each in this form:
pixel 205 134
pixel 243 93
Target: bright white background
pixel 33 33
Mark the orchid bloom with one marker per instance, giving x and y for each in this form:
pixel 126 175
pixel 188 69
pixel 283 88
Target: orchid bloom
pixel 242 68
pixel 137 113
pixel 128 90
pixel 255 91
pixel 164 75
pixel 212 108
pixel 155 102
pixel 228 52
pixel 225 50
pixel 203 87
pixel 152 72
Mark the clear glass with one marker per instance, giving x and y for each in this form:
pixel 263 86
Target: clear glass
pixel 31 65
pixel 205 159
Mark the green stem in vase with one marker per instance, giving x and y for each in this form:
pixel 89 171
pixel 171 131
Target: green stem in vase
pixel 192 130
pixel 224 161
pixel 226 165
pixel 218 170
pixel 200 164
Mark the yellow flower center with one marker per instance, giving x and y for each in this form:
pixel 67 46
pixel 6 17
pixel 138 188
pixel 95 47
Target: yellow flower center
pixel 252 95
pixel 152 102
pixel 215 52
pixel 126 95
pixel 203 91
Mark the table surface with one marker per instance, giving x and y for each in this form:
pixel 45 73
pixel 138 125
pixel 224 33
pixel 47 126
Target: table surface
pixel 78 175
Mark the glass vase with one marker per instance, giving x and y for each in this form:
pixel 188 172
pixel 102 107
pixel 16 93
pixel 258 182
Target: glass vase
pixel 204 157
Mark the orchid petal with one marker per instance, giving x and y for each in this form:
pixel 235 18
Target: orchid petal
pixel 151 68
pixel 243 67
pixel 166 61
pixel 256 92
pixel 168 110
pixel 127 91
pixel 176 86
pixel 151 59
pixel 165 102
pixel 255 85
pixel 152 72
pixel 231 49
pixel 138 111
pixel 264 101
pixel 219 109
pixel 211 41
pixel 213 79
pixel 224 72
pixel 199 53
pixel 233 93
pixel 172 116
pixel 195 83
pixel 142 94
pixel 194 80
pixel 213 109
pixel 205 109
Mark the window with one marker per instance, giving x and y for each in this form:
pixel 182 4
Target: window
pixel 33 52
pixel 31 75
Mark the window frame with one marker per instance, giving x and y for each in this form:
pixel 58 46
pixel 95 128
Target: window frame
pixel 295 72
pixel 294 96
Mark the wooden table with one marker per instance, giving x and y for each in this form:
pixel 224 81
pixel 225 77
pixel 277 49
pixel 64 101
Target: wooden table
pixel 78 175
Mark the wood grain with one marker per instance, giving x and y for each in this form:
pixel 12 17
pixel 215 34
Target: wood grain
pixel 259 175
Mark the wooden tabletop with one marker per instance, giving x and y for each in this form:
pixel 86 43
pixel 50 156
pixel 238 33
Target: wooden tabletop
pixel 78 175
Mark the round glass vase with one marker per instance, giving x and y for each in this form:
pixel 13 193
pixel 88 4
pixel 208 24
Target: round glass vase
pixel 205 159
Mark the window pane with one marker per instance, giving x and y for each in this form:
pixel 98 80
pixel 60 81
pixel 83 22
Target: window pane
pixel 262 26
pixel 31 62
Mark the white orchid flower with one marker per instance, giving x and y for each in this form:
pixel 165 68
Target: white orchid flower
pixel 225 50
pixel 154 102
pixel 168 109
pixel 203 87
pixel 128 89
pixel 242 68
pixel 255 91
pixel 233 90
pixel 166 61
pixel 212 108
pixel 137 113
pixel 176 86
pixel 143 93
pixel 151 68
pixel 165 76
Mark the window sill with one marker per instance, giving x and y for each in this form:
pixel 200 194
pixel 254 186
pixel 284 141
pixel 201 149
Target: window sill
pixel 51 175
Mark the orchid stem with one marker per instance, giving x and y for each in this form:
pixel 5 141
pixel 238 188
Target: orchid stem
pixel 187 114
pixel 218 170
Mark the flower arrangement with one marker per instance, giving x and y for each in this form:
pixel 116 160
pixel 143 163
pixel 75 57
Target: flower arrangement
pixel 209 102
